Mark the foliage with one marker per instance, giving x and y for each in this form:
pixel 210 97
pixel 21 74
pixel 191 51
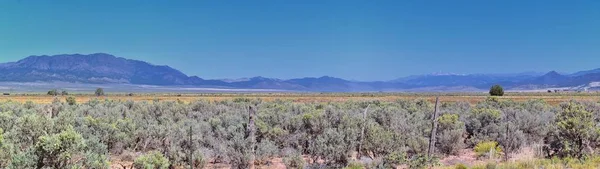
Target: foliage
pixel 488 149
pixel 4 151
pixel 575 132
pixel 303 134
pixel 99 92
pixel 460 166
pixel 450 129
pixel 57 150
pixel 294 160
pixel 586 163
pixel 53 92
pixel 483 124
pixel 151 160
pixel 71 100
pixel 496 90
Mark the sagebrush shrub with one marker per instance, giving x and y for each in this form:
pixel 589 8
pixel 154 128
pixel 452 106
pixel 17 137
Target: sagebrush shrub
pixel 488 149
pixel 151 160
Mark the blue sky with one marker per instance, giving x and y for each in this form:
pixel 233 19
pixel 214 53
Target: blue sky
pixel 358 40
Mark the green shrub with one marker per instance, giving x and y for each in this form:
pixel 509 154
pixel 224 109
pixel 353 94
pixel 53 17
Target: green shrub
pixel 394 159
pixel 1 137
pixel 57 150
pixel 574 128
pixel 489 149
pixel 4 151
pixel 294 161
pixel 496 90
pixel 460 166
pixel 71 100
pixel 450 129
pixel 422 161
pixel 151 160
pixel 53 92
pixel 99 92
pixel 354 165
pixel 199 161
pixel 490 166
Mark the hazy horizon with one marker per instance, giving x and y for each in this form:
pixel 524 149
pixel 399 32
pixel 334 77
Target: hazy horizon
pixel 353 40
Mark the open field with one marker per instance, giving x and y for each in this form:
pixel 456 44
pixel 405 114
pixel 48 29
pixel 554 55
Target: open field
pixel 471 98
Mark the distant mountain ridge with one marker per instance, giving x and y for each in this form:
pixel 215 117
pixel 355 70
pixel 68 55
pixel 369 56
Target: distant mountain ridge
pixel 101 68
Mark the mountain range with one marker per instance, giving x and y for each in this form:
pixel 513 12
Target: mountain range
pixel 101 68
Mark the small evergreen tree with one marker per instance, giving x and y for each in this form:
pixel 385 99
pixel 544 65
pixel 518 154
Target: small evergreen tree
pixel 53 92
pixel 496 90
pixel 99 92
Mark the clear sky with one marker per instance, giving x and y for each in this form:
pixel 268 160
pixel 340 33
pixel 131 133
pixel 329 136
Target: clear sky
pixel 358 40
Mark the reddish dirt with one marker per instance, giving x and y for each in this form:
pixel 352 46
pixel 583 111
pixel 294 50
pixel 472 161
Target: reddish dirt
pixel 465 156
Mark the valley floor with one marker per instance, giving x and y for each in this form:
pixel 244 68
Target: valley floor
pixel 334 97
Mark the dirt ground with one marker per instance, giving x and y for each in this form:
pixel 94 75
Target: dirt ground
pixel 466 157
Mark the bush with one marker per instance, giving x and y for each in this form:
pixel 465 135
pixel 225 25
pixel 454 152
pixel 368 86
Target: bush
pixel 265 151
pixel 53 92
pixel 483 124
pixel 450 130
pixel 71 100
pixel 4 151
pixel 99 92
pixel 488 149
pixel 496 90
pixel 151 160
pixel 575 130
pixel 422 161
pixel 460 166
pixel 394 159
pixel 199 161
pixel 293 161
pixel 57 150
pixel 354 165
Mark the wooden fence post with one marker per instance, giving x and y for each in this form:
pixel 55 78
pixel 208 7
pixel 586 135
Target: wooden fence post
pixel 191 147
pixel 432 138
pixel 251 132
pixel 362 132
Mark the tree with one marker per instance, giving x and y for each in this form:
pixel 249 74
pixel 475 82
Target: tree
pixel 496 90
pixel 99 92
pixel 64 93
pixel 53 92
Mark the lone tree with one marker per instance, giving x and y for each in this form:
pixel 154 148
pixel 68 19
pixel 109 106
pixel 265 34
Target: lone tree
pixel 496 90
pixel 99 92
pixel 53 92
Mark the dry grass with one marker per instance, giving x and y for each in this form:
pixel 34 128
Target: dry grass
pixel 552 99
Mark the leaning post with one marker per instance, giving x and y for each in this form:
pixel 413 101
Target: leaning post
pixel 432 141
pixel 251 131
